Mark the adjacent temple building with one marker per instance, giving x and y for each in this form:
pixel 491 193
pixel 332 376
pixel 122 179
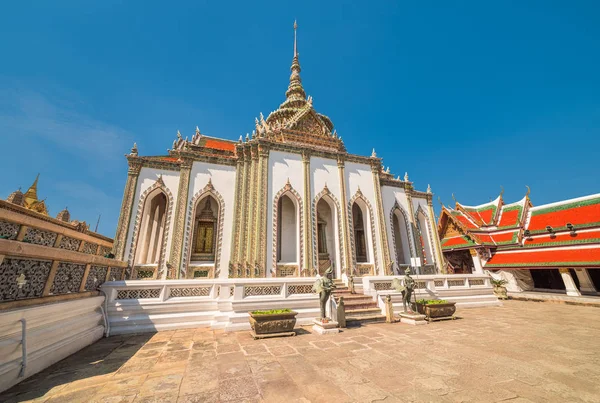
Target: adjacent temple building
pixel 286 201
pixel 543 248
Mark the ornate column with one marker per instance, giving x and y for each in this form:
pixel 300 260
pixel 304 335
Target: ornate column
pixel 439 257
pixel 237 212
pixel 413 225
pixel 345 216
pixel 383 243
pixel 570 286
pixel 585 282
pixel 179 223
pixel 244 210
pixel 309 263
pixel 251 220
pixel 260 244
pixel 126 206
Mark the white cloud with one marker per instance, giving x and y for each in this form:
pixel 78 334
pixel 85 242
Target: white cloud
pixel 31 114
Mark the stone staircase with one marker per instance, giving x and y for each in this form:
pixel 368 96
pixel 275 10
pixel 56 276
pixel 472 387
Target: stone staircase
pixel 360 308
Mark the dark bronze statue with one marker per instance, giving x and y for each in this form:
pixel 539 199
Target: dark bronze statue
pixel 407 289
pixel 324 286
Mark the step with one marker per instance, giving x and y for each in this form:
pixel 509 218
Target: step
pixel 357 320
pixel 359 305
pixel 353 297
pixel 363 312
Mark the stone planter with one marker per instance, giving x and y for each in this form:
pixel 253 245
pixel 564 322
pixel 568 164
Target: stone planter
pixel 437 311
pixel 273 325
pixel 500 292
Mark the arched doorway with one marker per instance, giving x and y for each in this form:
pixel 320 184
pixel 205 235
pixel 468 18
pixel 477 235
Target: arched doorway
pixel 288 236
pixel 425 240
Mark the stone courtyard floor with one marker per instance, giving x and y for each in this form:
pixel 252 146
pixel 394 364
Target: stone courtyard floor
pixel 521 352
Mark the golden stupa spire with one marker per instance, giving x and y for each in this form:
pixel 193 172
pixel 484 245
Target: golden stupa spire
pixel 295 90
pixel 30 196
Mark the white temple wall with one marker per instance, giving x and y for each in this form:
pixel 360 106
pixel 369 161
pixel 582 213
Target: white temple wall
pixel 390 196
pixel 282 166
pixel 360 176
pixel 147 178
pixel 324 171
pixel 222 178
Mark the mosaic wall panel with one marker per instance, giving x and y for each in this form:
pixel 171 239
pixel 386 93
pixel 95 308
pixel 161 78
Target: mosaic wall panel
pixel 456 283
pixel 116 274
pixel 262 290
pixel 286 271
pixel 68 278
pixel 69 243
pixel 138 294
pixel 32 274
pixel 190 292
pixel 428 269
pixel 9 230
pixel 40 237
pixel 96 278
pixel 144 274
pixel 299 289
pixel 90 248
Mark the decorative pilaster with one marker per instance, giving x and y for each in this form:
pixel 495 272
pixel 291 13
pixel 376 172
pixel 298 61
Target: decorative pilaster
pixel 345 217
pixel 260 248
pixel 179 221
pixel 439 256
pixel 383 244
pixel 413 225
pixel 126 207
pixel 237 211
pixel 242 253
pixel 309 263
pixel 251 222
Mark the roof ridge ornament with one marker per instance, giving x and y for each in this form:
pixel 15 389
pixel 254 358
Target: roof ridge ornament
pixel 373 154
pixel 405 176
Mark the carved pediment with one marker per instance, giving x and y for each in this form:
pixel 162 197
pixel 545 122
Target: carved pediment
pixel 309 123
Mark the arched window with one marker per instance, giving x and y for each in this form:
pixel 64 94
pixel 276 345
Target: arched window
pixel 205 230
pixel 287 230
pixel 360 242
pixel 152 229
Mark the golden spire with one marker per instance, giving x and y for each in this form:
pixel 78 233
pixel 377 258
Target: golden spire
pixel 31 194
pixel 295 91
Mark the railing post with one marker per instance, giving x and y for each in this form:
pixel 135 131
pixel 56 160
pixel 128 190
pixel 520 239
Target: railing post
pixel 59 238
pixel 22 232
pixel 163 293
pixel 50 279
pixel 86 273
pixel 23 347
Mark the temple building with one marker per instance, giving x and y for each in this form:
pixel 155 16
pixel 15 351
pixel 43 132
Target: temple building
pixel 287 200
pixel 552 247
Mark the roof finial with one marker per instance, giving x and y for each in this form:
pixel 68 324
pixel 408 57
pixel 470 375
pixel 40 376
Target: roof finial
pixel 295 91
pixel 501 190
pixel 295 39
pixel 373 154
pixel 528 191
pixel 405 176
pixel 428 188
pixel 454 198
pixel 440 201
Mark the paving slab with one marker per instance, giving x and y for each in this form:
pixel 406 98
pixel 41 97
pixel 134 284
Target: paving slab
pixel 522 351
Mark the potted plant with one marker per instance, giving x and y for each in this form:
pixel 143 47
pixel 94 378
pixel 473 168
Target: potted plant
pixel 272 323
pixel 436 309
pixel 499 288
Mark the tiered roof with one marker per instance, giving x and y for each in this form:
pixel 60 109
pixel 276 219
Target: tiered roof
pixel 562 234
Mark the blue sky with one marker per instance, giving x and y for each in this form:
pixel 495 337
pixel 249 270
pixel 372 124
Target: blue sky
pixel 466 96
